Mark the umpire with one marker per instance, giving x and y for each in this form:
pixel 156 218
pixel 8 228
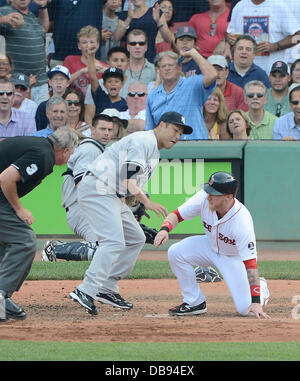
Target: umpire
pixel 24 162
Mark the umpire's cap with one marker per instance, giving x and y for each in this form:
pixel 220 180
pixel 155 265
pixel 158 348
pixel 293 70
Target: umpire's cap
pixel 221 183
pixel 176 118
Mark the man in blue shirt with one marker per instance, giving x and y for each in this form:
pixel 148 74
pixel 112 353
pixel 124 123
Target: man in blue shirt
pixel 287 127
pixel 185 95
pixel 242 69
pixel 57 114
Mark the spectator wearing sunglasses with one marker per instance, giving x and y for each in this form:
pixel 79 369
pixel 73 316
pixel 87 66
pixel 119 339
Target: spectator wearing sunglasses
pixel 22 94
pixel 75 120
pixel 210 26
pixel 136 113
pixel 261 121
pixel 287 127
pixel 278 100
pixel 139 68
pixel 13 122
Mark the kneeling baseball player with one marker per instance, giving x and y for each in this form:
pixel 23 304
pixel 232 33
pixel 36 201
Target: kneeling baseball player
pixel 229 244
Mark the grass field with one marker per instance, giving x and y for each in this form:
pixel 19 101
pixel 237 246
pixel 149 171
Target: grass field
pixel 54 351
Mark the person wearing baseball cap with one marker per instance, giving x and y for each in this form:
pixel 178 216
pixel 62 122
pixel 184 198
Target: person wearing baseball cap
pixel 120 124
pixel 22 99
pixel 186 39
pixel 173 117
pixel 278 98
pixel 123 169
pixel 228 244
pixel 58 82
pixel 59 69
pixel 233 94
pixel 113 80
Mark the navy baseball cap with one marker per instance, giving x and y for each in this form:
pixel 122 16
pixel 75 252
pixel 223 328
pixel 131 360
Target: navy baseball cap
pixel 176 118
pixel 186 30
pixel 113 72
pixel 280 66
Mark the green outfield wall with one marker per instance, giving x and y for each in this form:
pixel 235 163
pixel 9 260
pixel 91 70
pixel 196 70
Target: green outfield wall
pixel 267 170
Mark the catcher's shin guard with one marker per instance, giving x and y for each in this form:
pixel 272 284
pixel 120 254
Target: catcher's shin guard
pixel 75 251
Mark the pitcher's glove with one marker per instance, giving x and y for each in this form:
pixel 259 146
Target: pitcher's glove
pixel 150 233
pixel 138 208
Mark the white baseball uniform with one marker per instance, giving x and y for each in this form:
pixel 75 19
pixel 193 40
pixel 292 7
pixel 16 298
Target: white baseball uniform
pixel 119 234
pixel 227 242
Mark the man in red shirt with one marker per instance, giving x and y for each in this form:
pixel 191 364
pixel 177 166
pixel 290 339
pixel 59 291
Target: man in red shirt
pixel 210 26
pixel 233 94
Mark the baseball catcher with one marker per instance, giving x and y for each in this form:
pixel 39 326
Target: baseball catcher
pixel 83 250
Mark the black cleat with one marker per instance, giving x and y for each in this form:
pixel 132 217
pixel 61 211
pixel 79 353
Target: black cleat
pixel 114 300
pixel 185 309
pixel 85 300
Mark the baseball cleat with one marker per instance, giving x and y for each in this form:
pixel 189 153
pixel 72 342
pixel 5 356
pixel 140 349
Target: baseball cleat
pixel 185 309
pixel 48 253
pixel 85 301
pixel 114 300
pixel 207 274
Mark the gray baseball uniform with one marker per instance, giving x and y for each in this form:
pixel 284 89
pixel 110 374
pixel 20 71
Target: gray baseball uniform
pixel 119 234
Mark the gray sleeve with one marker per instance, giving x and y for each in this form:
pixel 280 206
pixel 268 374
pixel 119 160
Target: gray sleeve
pixel 85 155
pixel 88 97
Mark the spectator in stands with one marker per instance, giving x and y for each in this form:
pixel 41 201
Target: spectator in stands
pixel 113 79
pixel 6 66
pixel 13 122
pixel 58 81
pixel 67 18
pixel 287 127
pixel 148 19
pixel 278 99
pixel 117 57
pixel 139 68
pixel 242 69
pixel 110 22
pixel 136 102
pixel 57 114
pixel 210 26
pixel 75 120
pixel 295 72
pixel 233 94
pixel 88 39
pixel 119 124
pixel 237 125
pixel 215 115
pixel 186 39
pixel 185 95
pixel 25 42
pixel 21 97
pixel 261 121
pixel 166 6
pixel 267 25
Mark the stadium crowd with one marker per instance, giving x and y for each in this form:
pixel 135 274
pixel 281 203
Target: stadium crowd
pixel 210 60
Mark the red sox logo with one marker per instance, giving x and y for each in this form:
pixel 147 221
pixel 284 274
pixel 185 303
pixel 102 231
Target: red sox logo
pixel 221 237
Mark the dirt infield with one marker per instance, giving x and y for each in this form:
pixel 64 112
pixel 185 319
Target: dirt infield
pixel 52 316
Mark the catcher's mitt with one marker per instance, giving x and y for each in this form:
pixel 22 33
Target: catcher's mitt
pixel 207 274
